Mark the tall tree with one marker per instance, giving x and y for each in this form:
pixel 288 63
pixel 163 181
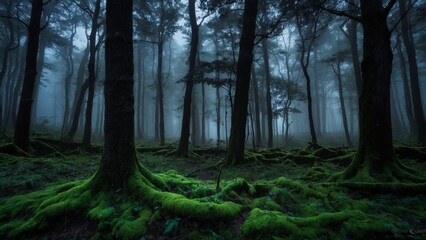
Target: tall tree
pixel 186 119
pixel 375 160
pixel 307 27
pixel 235 152
pixel 408 41
pixel 92 78
pixel 23 121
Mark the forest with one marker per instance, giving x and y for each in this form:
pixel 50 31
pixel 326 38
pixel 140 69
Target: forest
pixel 212 119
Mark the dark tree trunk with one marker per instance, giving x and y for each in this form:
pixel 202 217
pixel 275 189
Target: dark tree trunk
pixel 407 93
pixel 77 111
pixel 203 115
pixel 375 159
pixel 40 67
pixel 407 38
pixel 235 153
pixel 67 81
pixel 23 121
pixel 139 133
pixel 256 107
pixel 19 81
pixel 79 84
pixel 353 40
pixel 8 48
pixel 160 94
pixel 268 91
pixel 338 73
pixel 305 52
pixel 119 160
pixel 87 135
pixel 186 119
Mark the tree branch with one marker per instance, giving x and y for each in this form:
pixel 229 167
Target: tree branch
pixel 15 19
pixel 342 13
pixel 403 16
pixel 389 6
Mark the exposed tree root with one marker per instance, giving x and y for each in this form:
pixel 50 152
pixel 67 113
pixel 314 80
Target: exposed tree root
pixel 124 213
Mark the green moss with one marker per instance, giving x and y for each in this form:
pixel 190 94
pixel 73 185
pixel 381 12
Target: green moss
pixel 266 224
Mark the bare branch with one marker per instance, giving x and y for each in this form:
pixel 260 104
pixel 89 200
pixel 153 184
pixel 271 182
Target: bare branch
pixel 389 6
pixel 342 14
pixel 15 19
pixel 403 15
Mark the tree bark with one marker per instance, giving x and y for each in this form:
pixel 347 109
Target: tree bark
pixel 407 93
pixel 375 159
pixel 407 38
pixel 338 73
pixel 87 135
pixel 186 119
pixel 268 91
pixel 119 160
pixel 235 152
pixel 256 107
pixel 305 52
pixel 23 121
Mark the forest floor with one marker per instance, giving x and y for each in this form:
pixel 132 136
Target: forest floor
pixel 284 194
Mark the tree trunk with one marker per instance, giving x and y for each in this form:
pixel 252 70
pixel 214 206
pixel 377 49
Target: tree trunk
pixel 203 114
pixel 160 94
pixel 23 122
pixel 407 93
pixel 407 38
pixel 186 119
pixel 375 160
pixel 67 81
pixel 268 91
pixel 305 52
pixel 119 160
pixel 87 135
pixel 342 102
pixel 139 116
pixel 79 84
pixel 235 153
pixel 256 107
pixel 353 40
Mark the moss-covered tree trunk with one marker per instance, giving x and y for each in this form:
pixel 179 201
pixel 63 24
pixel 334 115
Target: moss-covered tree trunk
pixel 375 159
pixel 235 153
pixel 23 121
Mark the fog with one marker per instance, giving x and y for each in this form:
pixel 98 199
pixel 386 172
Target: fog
pixel 68 26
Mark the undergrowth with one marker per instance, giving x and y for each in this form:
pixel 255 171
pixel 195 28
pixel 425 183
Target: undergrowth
pixel 277 194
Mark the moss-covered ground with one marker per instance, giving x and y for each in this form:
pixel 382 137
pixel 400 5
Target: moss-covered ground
pixel 277 194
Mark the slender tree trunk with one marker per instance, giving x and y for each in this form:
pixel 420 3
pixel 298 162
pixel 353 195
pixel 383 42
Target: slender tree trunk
pixel 79 84
pixel 87 135
pixel 186 119
pixel 235 153
pixel 407 38
pixel 139 95
pixel 304 62
pixel 67 81
pixel 203 115
pixel 342 103
pixel 353 40
pixel 19 81
pixel 256 107
pixel 268 91
pixel 160 94
pixel 407 93
pixel 22 129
